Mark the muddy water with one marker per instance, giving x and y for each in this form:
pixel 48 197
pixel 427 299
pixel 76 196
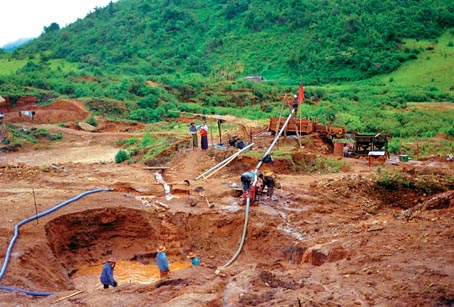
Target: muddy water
pixel 125 273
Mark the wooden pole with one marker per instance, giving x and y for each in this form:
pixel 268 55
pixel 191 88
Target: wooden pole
pixel 220 167
pixel 297 130
pixel 219 128
pixel 36 208
pixel 278 125
pixel 211 131
pixel 68 296
pixel 280 113
pixel 225 161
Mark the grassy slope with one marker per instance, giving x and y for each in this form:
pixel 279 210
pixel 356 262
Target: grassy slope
pixel 8 67
pixel 434 68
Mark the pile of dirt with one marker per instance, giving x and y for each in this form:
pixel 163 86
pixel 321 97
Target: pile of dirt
pixel 57 112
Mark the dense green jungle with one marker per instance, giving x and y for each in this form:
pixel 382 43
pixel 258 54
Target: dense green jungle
pixel 372 66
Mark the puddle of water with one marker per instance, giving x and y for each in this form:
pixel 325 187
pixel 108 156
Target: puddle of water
pixel 126 272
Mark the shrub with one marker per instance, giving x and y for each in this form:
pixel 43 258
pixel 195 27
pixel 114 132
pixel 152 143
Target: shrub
pixel 91 120
pixel 121 156
pixel 147 140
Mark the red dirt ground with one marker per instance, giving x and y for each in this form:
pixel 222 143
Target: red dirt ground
pixel 335 239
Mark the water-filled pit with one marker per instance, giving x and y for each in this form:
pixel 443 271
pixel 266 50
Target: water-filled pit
pixel 81 242
pixel 125 272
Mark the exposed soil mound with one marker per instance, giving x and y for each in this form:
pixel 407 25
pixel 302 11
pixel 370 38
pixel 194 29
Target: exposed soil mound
pixel 58 112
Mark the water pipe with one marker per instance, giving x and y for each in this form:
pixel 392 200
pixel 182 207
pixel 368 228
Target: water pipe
pixel 246 219
pixel 33 293
pixel 16 234
pixel 248 199
pixel 224 162
pixel 275 140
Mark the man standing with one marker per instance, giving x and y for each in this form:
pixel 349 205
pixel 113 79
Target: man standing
pixel 161 261
pixel 107 274
pixel 193 131
pixel 204 135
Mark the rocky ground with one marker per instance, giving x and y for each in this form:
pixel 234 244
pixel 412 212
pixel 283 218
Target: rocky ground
pixel 364 236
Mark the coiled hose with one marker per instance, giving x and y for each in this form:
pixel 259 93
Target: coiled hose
pixel 16 234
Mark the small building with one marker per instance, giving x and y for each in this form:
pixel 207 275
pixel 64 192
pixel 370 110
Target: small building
pixel 254 78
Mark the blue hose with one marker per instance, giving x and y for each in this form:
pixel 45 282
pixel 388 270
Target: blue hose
pixel 16 234
pixel 34 293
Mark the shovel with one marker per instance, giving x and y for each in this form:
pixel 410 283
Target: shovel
pixel 206 199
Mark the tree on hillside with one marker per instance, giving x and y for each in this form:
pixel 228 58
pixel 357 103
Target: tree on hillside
pixel 54 27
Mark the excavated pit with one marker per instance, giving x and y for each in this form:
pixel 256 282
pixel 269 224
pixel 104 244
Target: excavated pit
pixel 86 239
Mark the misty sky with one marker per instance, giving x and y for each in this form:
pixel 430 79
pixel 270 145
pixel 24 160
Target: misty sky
pixel 27 18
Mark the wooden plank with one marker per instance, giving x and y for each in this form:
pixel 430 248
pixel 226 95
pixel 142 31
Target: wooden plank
pixel 155 167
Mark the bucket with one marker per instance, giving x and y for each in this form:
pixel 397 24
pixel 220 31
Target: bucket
pixel 339 149
pixel 403 158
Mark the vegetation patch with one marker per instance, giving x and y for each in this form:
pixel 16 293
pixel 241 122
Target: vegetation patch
pixel 22 136
pixel 409 187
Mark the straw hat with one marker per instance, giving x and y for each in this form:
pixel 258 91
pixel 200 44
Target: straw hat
pixel 161 249
pixel 191 255
pixel 269 174
pixel 111 260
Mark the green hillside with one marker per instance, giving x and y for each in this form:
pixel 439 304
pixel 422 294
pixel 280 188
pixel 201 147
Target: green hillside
pixel 319 41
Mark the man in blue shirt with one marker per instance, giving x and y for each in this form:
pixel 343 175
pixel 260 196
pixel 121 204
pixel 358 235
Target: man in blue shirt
pixel 161 261
pixel 194 260
pixel 246 180
pixel 107 274
pixel 249 187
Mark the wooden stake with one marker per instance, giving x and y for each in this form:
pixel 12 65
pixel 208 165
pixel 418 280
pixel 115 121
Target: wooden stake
pixel 36 208
pixel 68 296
